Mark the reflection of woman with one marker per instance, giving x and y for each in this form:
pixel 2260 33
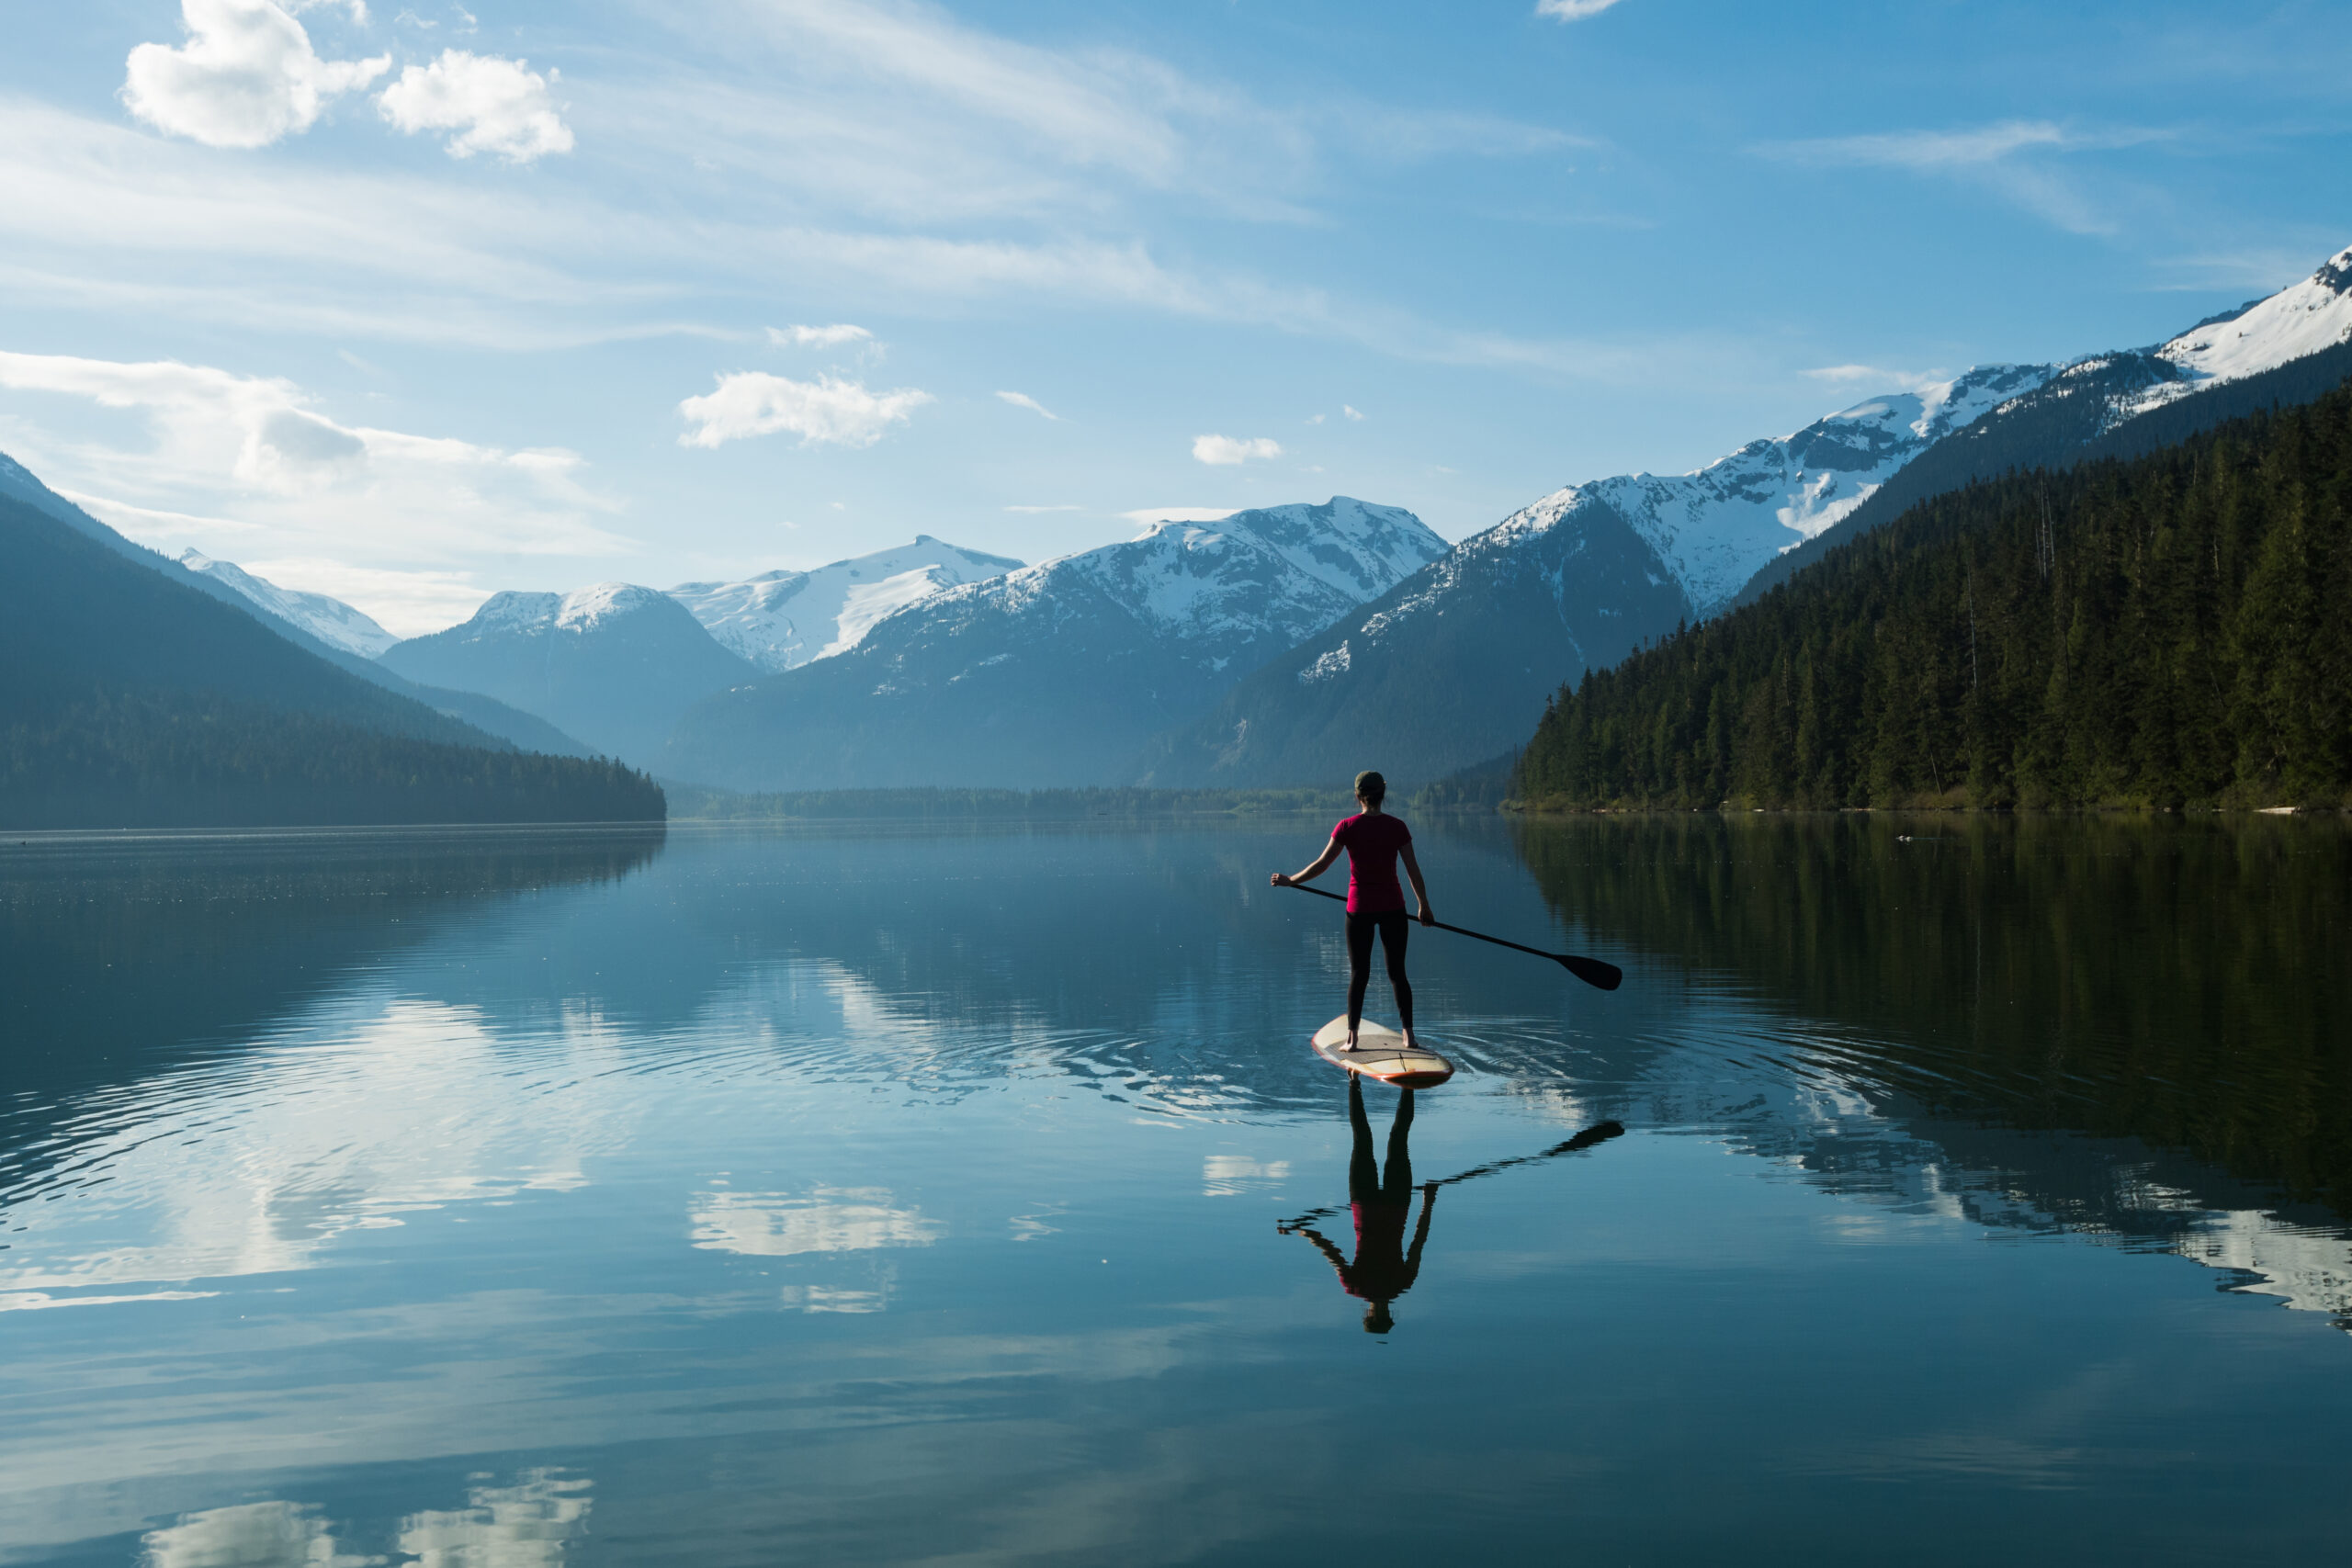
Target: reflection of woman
pixel 1373 841
pixel 1384 1269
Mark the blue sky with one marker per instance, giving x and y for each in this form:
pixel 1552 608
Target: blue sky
pixel 410 303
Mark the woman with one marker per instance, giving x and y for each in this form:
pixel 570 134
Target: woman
pixel 1373 841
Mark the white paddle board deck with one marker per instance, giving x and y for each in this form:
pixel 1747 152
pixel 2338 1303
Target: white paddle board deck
pixel 1381 1055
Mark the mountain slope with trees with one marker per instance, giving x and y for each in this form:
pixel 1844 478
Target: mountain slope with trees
pixel 2159 631
pixel 129 699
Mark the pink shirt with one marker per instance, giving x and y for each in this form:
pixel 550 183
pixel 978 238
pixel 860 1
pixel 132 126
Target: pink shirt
pixel 1372 844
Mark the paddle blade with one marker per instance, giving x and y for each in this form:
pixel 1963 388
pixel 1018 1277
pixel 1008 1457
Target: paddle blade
pixel 1592 971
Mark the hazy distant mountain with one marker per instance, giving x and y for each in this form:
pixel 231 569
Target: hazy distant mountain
pixel 614 664
pixel 329 620
pixel 131 697
pixel 780 620
pixel 497 719
pixel 1450 666
pixel 1454 665
pixel 1056 673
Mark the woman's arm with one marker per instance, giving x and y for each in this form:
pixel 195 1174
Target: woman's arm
pixel 1322 864
pixel 1413 874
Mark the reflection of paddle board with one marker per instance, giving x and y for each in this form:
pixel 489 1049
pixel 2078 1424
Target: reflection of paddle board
pixel 1382 1055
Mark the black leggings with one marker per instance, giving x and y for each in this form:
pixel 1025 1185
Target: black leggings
pixel 1393 926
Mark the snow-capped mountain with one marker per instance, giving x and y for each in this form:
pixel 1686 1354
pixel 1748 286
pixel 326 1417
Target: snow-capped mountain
pixel 329 620
pixel 1056 673
pixel 783 619
pixel 1454 665
pixel 1712 528
pixel 2283 350
pixel 614 664
pixel 2300 320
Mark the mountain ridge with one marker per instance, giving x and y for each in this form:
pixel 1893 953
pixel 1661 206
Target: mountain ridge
pixel 1056 673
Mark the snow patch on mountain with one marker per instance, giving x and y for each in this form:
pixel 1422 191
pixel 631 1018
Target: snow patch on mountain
pixel 783 619
pixel 1274 574
pixel 329 619
pixel 1713 527
pixel 2301 319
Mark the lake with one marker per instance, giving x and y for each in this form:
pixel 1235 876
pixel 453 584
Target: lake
pixel 856 1193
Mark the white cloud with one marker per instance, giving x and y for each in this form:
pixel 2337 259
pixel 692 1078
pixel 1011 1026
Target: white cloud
pixel 1571 10
pixel 1314 419
pixel 1225 451
pixel 1145 516
pixel 1022 400
pixel 828 410
pixel 839 332
pixel 1352 415
pixel 246 76
pixel 495 106
pixel 247 468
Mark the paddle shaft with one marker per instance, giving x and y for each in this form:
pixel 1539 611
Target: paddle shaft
pixel 1591 971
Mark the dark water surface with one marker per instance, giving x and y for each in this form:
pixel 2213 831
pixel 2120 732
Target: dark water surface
pixel 855 1195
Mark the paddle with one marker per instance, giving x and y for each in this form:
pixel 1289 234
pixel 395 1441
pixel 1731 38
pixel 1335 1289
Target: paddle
pixel 1591 971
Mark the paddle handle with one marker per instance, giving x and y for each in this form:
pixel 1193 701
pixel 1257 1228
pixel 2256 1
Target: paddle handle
pixel 1591 971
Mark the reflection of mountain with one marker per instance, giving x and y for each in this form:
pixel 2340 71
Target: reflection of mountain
pixel 2020 1020
pixel 150 953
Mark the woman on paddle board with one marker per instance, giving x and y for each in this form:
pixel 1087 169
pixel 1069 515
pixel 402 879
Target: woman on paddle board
pixel 1375 842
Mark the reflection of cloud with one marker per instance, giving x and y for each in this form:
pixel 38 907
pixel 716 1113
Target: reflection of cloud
pixel 523 1526
pixel 249 1535
pixel 826 1298
pixel 527 1525
pixel 1227 1176
pixel 830 1219
pixel 201 1178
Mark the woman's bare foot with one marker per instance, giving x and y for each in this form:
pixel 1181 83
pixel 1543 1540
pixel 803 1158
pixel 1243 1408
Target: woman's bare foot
pixel 1411 1043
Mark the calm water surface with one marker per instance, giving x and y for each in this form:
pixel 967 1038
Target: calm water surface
pixel 877 1194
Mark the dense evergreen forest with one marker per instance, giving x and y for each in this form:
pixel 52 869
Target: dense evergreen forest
pixel 161 758
pixel 2161 631
pixel 129 700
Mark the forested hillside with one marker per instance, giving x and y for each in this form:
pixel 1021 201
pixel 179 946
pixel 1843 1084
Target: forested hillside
pixel 128 699
pixel 2160 631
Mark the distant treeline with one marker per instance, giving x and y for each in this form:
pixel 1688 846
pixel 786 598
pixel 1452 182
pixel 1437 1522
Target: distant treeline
pixel 687 803
pixel 2159 632
pixel 148 758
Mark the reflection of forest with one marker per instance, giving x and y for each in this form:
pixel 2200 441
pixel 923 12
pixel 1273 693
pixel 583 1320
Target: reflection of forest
pixel 2175 981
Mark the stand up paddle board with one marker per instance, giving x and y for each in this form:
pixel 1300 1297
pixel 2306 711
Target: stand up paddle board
pixel 1381 1055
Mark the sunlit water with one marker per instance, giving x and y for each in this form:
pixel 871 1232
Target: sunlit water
pixel 871 1194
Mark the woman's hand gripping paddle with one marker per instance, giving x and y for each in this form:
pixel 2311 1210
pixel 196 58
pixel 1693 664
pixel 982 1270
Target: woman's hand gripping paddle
pixel 1591 971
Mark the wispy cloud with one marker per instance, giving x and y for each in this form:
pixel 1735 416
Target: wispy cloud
pixel 1226 451
pixel 1571 10
pixel 834 336
pixel 2010 157
pixel 1354 415
pixel 1022 400
pixel 829 411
